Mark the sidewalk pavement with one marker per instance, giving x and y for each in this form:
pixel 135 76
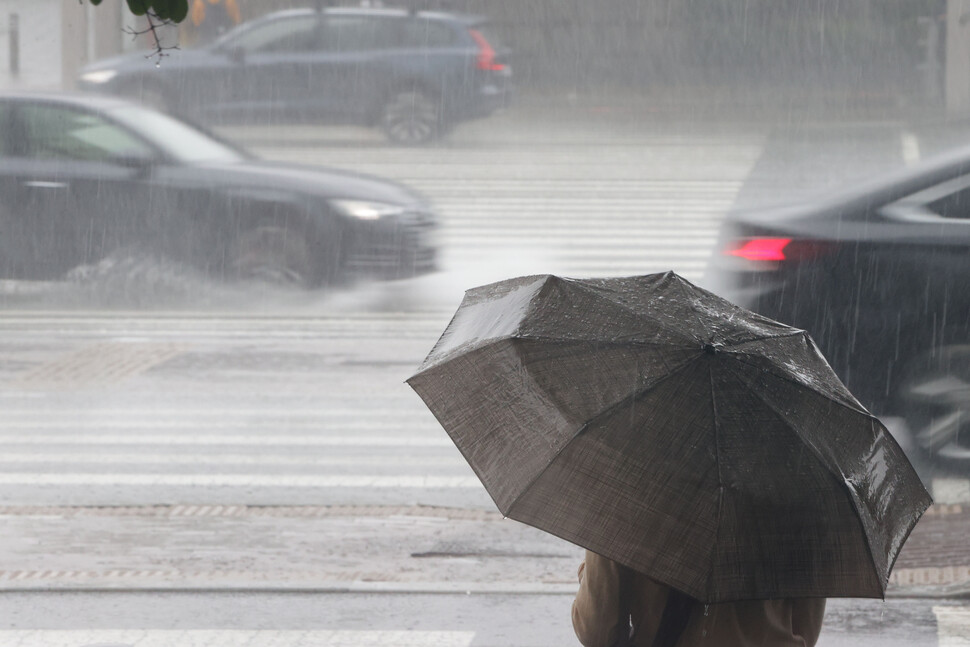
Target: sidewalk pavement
pixel 392 549
pixel 935 561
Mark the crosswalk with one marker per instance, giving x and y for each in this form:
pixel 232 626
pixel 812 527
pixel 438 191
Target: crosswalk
pixel 953 626
pixel 625 208
pixel 239 404
pixel 233 638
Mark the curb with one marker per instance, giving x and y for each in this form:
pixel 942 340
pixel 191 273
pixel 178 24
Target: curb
pixel 324 588
pixel 952 592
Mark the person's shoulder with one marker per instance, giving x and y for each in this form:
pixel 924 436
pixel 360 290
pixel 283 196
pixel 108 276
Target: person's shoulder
pixel 647 583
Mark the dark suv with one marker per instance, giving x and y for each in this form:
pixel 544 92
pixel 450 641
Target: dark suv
pixel 413 74
pixel 878 275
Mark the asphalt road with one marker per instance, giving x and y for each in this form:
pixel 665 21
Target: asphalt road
pixel 154 619
pixel 180 456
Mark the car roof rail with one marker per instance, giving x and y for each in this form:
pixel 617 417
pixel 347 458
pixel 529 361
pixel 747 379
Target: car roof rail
pixel 413 6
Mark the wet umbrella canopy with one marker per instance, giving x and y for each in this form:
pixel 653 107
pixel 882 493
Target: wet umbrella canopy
pixel 661 426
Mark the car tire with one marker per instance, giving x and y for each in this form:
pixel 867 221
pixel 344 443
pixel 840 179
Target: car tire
pixel 273 253
pixel 935 398
pixel 411 118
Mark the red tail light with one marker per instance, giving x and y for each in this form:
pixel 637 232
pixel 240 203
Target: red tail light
pixel 486 55
pixel 779 249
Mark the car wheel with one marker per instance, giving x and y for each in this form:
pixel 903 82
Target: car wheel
pixel 411 118
pixel 274 254
pixel 935 397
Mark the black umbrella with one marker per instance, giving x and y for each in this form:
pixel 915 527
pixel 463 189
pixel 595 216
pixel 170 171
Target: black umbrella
pixel 657 424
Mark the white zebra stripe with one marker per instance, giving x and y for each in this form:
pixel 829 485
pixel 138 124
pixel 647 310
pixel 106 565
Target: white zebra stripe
pixel 251 440
pixel 402 424
pixel 952 626
pixel 233 638
pixel 261 459
pixel 243 480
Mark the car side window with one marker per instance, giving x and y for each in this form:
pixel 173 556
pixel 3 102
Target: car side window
pixel 956 205
pixel 56 133
pixel 420 33
pixel 948 200
pixel 357 33
pixel 295 34
pixel 5 131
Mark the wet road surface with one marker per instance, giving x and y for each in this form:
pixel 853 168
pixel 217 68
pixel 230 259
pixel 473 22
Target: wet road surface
pixel 144 437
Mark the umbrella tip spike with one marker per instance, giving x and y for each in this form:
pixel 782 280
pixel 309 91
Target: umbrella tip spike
pixel 711 349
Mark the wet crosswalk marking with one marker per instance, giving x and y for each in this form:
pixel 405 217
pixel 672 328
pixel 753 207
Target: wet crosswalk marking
pixel 951 490
pixel 425 482
pixel 104 362
pixel 188 438
pixel 187 458
pixel 630 206
pixel 233 638
pixel 283 443
pixel 952 626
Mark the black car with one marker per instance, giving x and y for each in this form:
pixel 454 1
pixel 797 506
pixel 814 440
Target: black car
pixel 878 276
pixel 414 74
pixel 84 176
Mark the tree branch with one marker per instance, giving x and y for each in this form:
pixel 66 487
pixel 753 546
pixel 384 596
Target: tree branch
pixel 154 23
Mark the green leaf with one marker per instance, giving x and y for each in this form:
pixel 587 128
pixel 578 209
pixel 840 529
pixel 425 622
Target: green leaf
pixel 139 7
pixel 180 9
pixel 174 10
pixel 95 2
pixel 160 8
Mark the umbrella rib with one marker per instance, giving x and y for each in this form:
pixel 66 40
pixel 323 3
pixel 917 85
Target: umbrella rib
pixel 794 332
pixel 582 429
pixel 611 342
pixel 818 455
pixel 740 311
pixel 737 357
pixel 690 299
pixel 902 543
pixel 639 342
pixel 586 288
pixel 781 416
pixel 720 485
pixel 463 349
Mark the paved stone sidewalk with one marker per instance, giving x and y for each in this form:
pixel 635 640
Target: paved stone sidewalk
pixel 378 548
pixel 353 548
pixel 936 558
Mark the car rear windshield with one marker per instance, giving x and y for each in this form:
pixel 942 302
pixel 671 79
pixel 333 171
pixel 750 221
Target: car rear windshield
pixel 427 33
pixel 491 35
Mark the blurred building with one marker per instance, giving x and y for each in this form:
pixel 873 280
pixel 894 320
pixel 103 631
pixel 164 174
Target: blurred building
pixel 30 43
pixel 44 42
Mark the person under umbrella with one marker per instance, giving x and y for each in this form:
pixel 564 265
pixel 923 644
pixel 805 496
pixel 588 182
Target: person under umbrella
pixel 707 449
pixel 617 607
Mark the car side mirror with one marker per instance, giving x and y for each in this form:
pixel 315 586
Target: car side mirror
pixel 137 161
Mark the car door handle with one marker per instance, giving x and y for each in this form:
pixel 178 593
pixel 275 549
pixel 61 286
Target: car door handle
pixel 44 184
